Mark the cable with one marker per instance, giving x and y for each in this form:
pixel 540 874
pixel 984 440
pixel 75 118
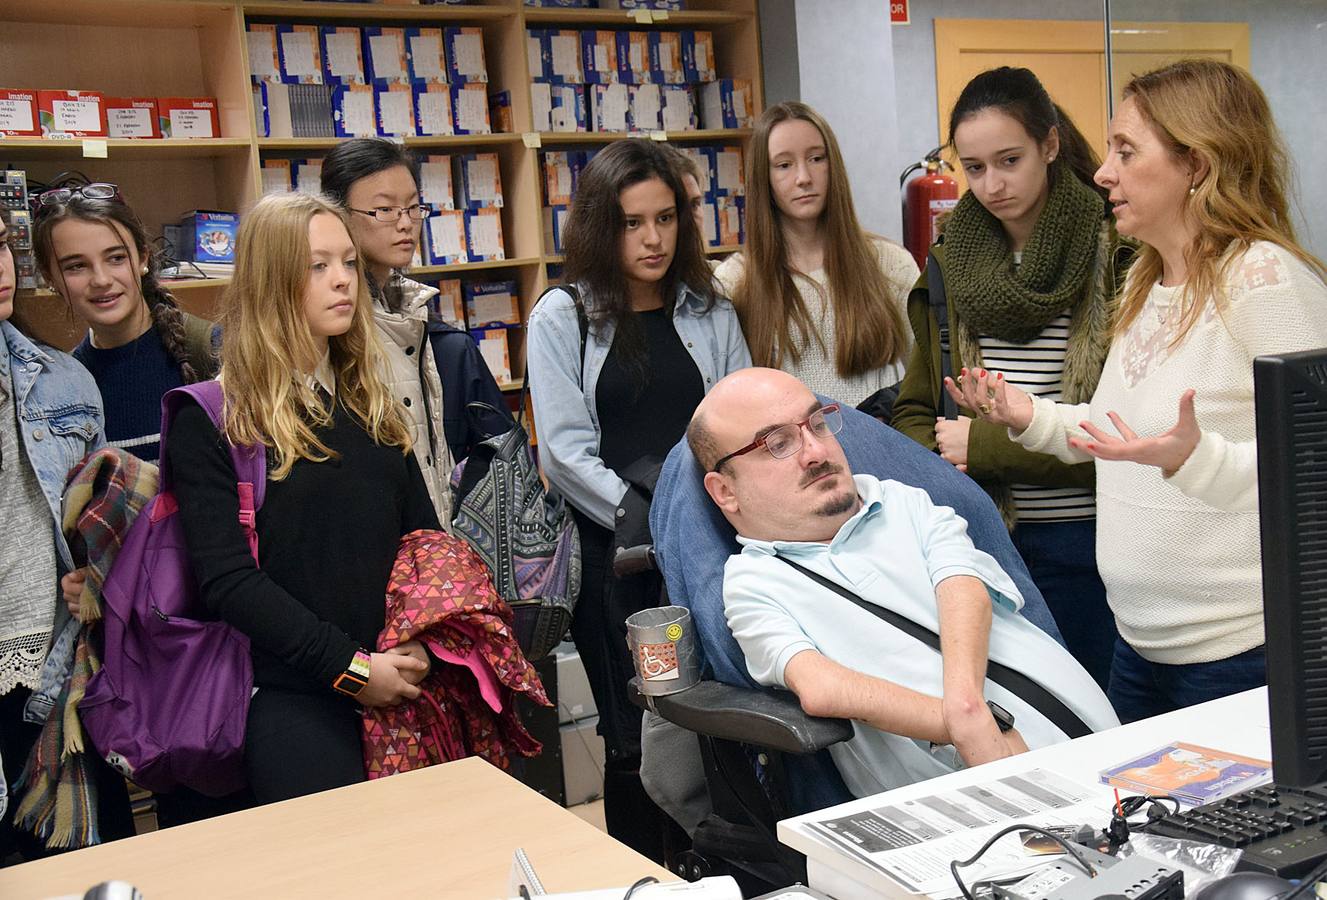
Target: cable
pixel 1068 848
pixel 648 879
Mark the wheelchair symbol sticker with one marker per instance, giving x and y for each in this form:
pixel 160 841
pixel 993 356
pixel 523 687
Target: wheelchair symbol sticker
pixel 673 632
pixel 658 662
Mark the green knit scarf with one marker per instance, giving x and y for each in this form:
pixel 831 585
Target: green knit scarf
pixel 1014 303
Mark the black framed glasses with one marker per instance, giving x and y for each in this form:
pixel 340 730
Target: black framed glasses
pixel 97 190
pixel 785 440
pixel 390 215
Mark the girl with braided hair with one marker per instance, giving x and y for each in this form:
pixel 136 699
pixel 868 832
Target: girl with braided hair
pixel 94 252
pixel 1030 265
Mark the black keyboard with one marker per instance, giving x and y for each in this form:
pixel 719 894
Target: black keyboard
pixel 1282 830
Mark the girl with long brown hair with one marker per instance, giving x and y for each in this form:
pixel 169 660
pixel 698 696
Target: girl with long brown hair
pixel 817 296
pixel 299 373
pixel 618 361
pixel 1029 265
pixel 1197 172
pixel 94 252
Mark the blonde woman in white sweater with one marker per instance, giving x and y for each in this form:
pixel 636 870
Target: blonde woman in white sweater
pixel 1197 172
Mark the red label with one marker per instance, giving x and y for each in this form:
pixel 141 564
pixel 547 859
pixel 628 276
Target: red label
pixel 898 12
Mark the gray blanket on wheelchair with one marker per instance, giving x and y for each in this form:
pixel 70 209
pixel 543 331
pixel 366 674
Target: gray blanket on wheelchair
pixel 693 542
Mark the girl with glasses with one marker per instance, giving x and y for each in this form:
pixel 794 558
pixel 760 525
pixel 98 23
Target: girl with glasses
pixel 50 418
pixel 94 252
pixel 818 297
pixel 432 369
pixel 300 373
pixel 1030 264
pixel 618 362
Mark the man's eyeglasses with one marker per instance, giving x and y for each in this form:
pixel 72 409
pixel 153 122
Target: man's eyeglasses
pixel 98 190
pixel 784 441
pixel 390 215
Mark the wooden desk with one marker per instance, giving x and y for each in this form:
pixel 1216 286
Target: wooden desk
pixel 447 831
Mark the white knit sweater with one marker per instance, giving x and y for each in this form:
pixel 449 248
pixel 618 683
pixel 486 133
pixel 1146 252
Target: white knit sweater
pixel 816 367
pixel 1180 556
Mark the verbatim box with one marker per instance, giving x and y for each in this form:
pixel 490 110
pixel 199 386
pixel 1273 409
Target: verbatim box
pixel 307 175
pixel 465 55
pixel 18 114
pixel 354 113
pixel 483 235
pixel 300 52
pixel 385 60
pixel 610 106
pixel 698 56
pixel 470 109
pixel 435 181
pixel 477 180
pixel 646 107
pixel 188 117
pixel 555 222
pixel 424 55
pixel 276 176
pixel 633 57
pixel 449 304
pixel 132 117
pixel 433 109
pixel 490 303
pixel 343 55
pixel 446 238
pixel 208 235
pixel 396 110
pixel 726 103
pixel 679 108
pixel 567 112
pixel 264 58
pixel 599 56
pixel 496 350
pixel 71 113
pixel 666 57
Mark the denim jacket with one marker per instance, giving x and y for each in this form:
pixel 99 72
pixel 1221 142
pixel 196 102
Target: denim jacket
pixel 566 420
pixel 60 422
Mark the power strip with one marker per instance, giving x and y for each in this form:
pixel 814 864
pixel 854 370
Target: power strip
pixel 1131 878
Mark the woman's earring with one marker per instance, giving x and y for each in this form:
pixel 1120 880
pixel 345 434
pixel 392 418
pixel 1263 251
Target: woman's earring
pixel 1192 190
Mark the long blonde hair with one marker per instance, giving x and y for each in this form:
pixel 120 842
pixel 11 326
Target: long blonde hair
pixel 268 399
pixel 869 330
pixel 1215 113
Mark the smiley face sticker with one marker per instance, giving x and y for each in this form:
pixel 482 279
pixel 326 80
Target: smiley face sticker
pixel 673 632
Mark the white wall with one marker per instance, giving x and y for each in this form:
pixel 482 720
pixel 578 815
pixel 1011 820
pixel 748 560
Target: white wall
pixel 845 66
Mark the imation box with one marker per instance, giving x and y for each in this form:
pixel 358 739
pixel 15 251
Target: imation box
pixel 353 111
pixel 188 117
pixel 446 238
pixel 71 113
pixel 433 109
pixel 132 117
pixel 633 57
pixel 276 176
pixel 299 49
pixel 465 55
pixel 264 58
pixel 490 303
pixel 208 235
pixel 726 103
pixel 424 55
pixel 666 57
pixel 18 114
pixel 599 56
pixel 477 179
pixel 343 55
pixel 396 112
pixel 610 105
pixel 449 304
pixel 483 234
pixel 385 52
pixel 698 56
pixel 435 181
pixel 494 348
pixel 470 109
pixel 679 108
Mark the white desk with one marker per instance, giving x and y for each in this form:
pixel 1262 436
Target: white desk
pixel 1235 724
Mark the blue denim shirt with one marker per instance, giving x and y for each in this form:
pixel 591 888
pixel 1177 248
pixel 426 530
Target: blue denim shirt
pixel 566 420
pixel 60 422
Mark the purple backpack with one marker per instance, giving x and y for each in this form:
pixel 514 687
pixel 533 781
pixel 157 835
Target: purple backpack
pixel 169 705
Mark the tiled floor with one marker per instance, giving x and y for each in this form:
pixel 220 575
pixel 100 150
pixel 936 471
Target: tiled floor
pixel 591 812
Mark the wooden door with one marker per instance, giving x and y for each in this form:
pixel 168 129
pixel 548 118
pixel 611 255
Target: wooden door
pixel 1070 59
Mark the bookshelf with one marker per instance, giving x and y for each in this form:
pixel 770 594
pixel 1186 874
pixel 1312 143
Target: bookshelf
pixel 188 48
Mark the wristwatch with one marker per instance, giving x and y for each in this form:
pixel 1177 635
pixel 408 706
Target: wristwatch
pixel 356 676
pixel 1003 717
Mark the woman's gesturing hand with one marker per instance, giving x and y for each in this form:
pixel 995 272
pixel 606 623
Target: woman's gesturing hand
pixel 991 398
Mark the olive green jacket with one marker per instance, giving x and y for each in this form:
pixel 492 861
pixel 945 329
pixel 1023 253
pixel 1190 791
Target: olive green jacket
pixel 993 459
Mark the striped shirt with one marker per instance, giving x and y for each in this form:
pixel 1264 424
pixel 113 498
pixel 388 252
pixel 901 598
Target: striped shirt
pixel 1038 368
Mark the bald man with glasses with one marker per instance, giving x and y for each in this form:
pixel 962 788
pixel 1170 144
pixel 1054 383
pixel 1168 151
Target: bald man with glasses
pixel 812 532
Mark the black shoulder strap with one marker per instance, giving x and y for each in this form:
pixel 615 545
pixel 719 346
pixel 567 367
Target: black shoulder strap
pixel 582 320
pixel 935 290
pixel 1036 696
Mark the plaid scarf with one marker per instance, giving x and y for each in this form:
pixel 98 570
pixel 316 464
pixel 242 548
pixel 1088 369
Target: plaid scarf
pixel 440 594
pixel 103 496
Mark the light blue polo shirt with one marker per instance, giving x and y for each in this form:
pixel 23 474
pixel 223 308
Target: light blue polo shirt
pixel 894 551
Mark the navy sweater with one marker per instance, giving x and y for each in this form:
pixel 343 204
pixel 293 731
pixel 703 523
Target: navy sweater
pixel 132 379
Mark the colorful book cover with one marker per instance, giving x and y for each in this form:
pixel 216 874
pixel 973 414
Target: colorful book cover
pixel 1191 773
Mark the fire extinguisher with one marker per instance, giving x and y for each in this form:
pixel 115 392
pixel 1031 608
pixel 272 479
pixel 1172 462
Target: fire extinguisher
pixel 925 199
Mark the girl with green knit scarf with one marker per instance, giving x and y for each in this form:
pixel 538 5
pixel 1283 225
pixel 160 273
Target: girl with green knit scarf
pixel 1030 264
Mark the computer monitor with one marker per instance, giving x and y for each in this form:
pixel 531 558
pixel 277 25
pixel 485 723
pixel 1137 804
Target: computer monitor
pixel 1290 397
